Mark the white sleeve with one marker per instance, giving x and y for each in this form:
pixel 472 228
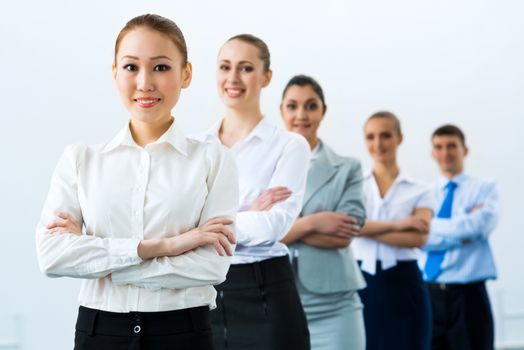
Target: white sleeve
pixel 70 255
pixel 202 266
pixel 267 227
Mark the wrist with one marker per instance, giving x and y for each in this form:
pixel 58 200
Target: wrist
pixel 309 224
pixel 152 248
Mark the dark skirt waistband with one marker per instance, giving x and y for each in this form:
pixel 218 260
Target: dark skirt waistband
pixel 100 322
pixel 254 275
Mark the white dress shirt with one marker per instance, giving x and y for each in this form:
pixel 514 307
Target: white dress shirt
pixel 402 198
pixel 266 158
pixel 465 235
pixel 123 193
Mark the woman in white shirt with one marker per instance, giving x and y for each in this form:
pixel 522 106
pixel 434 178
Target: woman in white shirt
pixel 258 306
pixel 143 219
pixel 396 302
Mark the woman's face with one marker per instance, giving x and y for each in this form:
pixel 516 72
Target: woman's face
pixel 149 74
pixel 240 75
pixel 302 111
pixel 382 139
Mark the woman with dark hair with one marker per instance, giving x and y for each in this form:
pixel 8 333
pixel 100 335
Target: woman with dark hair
pixel 398 209
pixel 143 219
pixel 328 277
pixel 258 305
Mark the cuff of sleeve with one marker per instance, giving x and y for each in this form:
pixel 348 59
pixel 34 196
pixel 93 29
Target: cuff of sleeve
pixel 125 251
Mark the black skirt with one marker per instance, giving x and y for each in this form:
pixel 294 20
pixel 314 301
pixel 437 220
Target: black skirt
pixel 258 307
pixel 179 329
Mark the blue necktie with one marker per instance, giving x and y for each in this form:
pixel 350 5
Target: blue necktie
pixel 435 258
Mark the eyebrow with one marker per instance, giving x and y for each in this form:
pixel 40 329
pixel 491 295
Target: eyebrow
pixel 241 62
pixel 151 58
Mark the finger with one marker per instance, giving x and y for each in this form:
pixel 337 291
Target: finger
pixel 64 215
pixel 225 245
pixel 221 229
pixel 57 231
pixel 223 221
pixel 276 188
pixel 350 220
pixel 218 247
pixel 57 223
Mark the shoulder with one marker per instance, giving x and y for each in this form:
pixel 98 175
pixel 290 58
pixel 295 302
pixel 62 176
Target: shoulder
pixel 350 163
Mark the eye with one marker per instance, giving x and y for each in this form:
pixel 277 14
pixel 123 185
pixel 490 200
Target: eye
pixel 385 135
pixel 223 67
pixel 131 67
pixel 247 69
pixel 162 68
pixel 369 137
pixel 312 106
pixel 291 106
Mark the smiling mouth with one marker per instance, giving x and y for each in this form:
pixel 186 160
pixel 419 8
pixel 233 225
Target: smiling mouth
pixel 231 92
pixel 146 102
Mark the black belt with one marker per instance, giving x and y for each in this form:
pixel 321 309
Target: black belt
pixel 92 321
pixel 454 286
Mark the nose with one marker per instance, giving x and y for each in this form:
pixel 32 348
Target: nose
pixel 301 113
pixel 144 81
pixel 233 76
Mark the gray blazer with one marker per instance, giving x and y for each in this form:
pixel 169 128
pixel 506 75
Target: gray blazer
pixel 334 183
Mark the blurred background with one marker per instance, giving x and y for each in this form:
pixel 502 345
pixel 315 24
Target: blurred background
pixel 430 62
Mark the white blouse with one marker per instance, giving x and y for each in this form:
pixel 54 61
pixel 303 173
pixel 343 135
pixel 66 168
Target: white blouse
pixel 402 198
pixel 266 158
pixel 123 193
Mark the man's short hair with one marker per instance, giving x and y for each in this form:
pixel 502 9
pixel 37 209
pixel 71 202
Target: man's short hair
pixel 450 129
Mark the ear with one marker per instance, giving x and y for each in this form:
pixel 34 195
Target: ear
pixel 400 138
pixel 267 78
pixel 113 71
pixel 466 150
pixel 187 75
pixel 281 109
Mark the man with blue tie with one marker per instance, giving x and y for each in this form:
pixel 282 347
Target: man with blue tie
pixel 459 258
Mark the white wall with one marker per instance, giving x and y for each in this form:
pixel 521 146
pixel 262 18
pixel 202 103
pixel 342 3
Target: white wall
pixel 429 62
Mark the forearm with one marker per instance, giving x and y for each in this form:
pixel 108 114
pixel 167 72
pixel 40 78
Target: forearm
pixel 373 228
pixel 84 256
pixel 320 240
pixel 195 268
pixel 404 239
pixel 301 228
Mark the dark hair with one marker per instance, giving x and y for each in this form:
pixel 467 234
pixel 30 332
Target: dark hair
pixel 263 50
pixel 304 80
pixel 157 23
pixel 450 129
pixel 389 116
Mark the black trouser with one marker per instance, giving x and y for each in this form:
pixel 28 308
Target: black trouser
pixel 187 329
pixel 462 318
pixel 258 307
pixel 397 311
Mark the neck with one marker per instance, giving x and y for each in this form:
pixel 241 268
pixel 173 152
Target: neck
pixel 238 124
pixel 313 142
pixel 146 133
pixel 450 174
pixel 386 170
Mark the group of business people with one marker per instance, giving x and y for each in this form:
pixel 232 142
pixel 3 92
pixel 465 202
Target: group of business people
pixel 291 245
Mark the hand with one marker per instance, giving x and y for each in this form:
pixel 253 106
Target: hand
pixel 334 223
pixel 413 223
pixel 214 233
pixel 65 224
pixel 476 207
pixel 267 199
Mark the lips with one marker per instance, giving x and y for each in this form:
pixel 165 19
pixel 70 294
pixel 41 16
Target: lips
pixel 147 102
pixel 234 92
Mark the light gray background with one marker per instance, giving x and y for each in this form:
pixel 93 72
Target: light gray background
pixel 431 62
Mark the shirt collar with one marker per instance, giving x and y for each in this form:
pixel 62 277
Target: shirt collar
pixel 173 136
pixel 401 177
pixel 261 131
pixel 458 179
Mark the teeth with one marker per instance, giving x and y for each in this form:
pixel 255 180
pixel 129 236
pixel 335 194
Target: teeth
pixel 234 91
pixel 146 101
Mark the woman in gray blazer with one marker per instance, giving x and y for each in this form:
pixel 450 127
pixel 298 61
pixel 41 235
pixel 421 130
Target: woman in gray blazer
pixel 333 211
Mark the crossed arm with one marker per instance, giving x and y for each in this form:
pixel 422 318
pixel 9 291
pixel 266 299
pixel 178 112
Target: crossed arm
pixel 410 232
